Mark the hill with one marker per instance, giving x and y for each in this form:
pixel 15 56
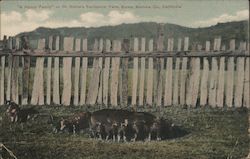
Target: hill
pixel 227 31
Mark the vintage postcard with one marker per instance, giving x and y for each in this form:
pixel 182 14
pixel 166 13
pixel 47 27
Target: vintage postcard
pixel 124 79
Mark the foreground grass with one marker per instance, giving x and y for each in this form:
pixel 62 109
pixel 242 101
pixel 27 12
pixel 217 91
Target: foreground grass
pixel 214 133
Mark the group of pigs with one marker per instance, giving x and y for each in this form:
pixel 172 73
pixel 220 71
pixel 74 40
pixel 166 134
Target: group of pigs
pixel 107 124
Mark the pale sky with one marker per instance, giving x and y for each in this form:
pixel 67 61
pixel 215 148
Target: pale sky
pixel 27 15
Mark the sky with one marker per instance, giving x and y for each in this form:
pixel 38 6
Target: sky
pixel 27 15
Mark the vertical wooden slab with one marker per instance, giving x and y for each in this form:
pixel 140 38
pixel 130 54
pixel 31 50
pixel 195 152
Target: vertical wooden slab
pixel 230 76
pixel 142 73
pixel 56 94
pixel 183 73
pixel 220 90
pixel 84 73
pixel 239 82
pixel 176 81
pixel 95 78
pixel 218 44
pixel 2 80
pixel 169 76
pixel 115 73
pixel 207 46
pixel 204 82
pixel 123 86
pixel 230 82
pixel 77 73
pixel 160 72
pixel 243 46
pixel 49 72
pixel 37 89
pixel 213 83
pixel 179 44
pixel 100 90
pixel 215 44
pixel 10 62
pixel 177 75
pixel 246 99
pixel 194 82
pixel 135 73
pixel 26 74
pixel 186 43
pixel 14 80
pixel 150 79
pixel 106 74
pixel 232 45
pixel 67 64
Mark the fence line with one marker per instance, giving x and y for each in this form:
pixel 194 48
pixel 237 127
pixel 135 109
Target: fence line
pixel 111 74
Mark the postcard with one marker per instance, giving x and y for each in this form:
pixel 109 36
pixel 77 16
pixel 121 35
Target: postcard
pixel 124 79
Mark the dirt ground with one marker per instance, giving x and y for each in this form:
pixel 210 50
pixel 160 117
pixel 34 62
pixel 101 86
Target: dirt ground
pixel 213 134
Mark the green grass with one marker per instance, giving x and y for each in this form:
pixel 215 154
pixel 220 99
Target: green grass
pixel 214 134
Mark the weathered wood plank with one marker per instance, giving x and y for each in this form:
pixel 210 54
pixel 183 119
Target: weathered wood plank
pixel 232 45
pixel 179 44
pixel 246 99
pixel 186 43
pixel 135 74
pixel 77 73
pixel 221 84
pixel 230 76
pixel 26 78
pixel 207 49
pixel 106 74
pixel 115 73
pixel 95 79
pixel 160 72
pixel 177 75
pixel 8 91
pixel 2 79
pixel 14 80
pixel 49 73
pixel 169 76
pixel 150 79
pixel 142 73
pixel 230 82
pixel 10 62
pixel 176 81
pixel 100 89
pixel 56 90
pixel 183 77
pixel 84 73
pixel 194 82
pixel 67 65
pixel 239 82
pixel 37 97
pixel 204 83
pixel 213 83
pixel 124 75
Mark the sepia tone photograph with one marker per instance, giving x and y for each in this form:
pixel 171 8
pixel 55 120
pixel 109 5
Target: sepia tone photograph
pixel 124 79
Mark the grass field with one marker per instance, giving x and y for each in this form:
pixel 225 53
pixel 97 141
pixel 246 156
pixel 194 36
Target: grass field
pixel 214 134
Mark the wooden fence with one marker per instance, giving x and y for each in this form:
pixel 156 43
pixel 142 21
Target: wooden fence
pixel 122 73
